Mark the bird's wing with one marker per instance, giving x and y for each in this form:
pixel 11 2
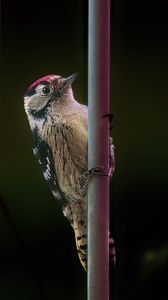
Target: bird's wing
pixel 78 142
pixel 44 155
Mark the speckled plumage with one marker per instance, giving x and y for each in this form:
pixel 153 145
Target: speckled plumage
pixel 59 126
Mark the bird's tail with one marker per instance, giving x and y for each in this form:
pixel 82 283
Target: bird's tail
pixel 81 244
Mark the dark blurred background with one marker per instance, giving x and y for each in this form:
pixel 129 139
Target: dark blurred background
pixel 37 248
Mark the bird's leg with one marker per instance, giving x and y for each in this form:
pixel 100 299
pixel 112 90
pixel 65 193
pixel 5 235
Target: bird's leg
pixel 97 171
pixel 83 179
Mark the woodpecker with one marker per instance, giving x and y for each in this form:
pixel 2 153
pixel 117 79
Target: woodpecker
pixel 60 127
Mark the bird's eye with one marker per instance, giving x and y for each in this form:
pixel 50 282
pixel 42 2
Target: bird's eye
pixel 46 90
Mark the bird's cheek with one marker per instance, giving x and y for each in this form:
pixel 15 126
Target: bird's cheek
pixel 41 103
pixel 35 105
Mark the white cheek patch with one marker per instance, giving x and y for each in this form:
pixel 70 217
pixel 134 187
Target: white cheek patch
pixel 36 102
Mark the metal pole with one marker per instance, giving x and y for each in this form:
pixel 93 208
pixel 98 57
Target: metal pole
pixel 98 149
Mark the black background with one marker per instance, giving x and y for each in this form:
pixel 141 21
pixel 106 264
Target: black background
pixel 37 248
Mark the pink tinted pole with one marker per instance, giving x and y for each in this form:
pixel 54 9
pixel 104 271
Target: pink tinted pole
pixel 98 149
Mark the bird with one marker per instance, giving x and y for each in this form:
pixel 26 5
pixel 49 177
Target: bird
pixel 59 125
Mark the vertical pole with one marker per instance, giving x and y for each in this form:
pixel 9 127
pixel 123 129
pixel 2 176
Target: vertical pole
pixel 98 149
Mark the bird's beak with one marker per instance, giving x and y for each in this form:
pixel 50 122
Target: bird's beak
pixel 70 79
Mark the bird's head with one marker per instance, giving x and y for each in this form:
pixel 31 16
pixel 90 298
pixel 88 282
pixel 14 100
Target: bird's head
pixel 45 92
